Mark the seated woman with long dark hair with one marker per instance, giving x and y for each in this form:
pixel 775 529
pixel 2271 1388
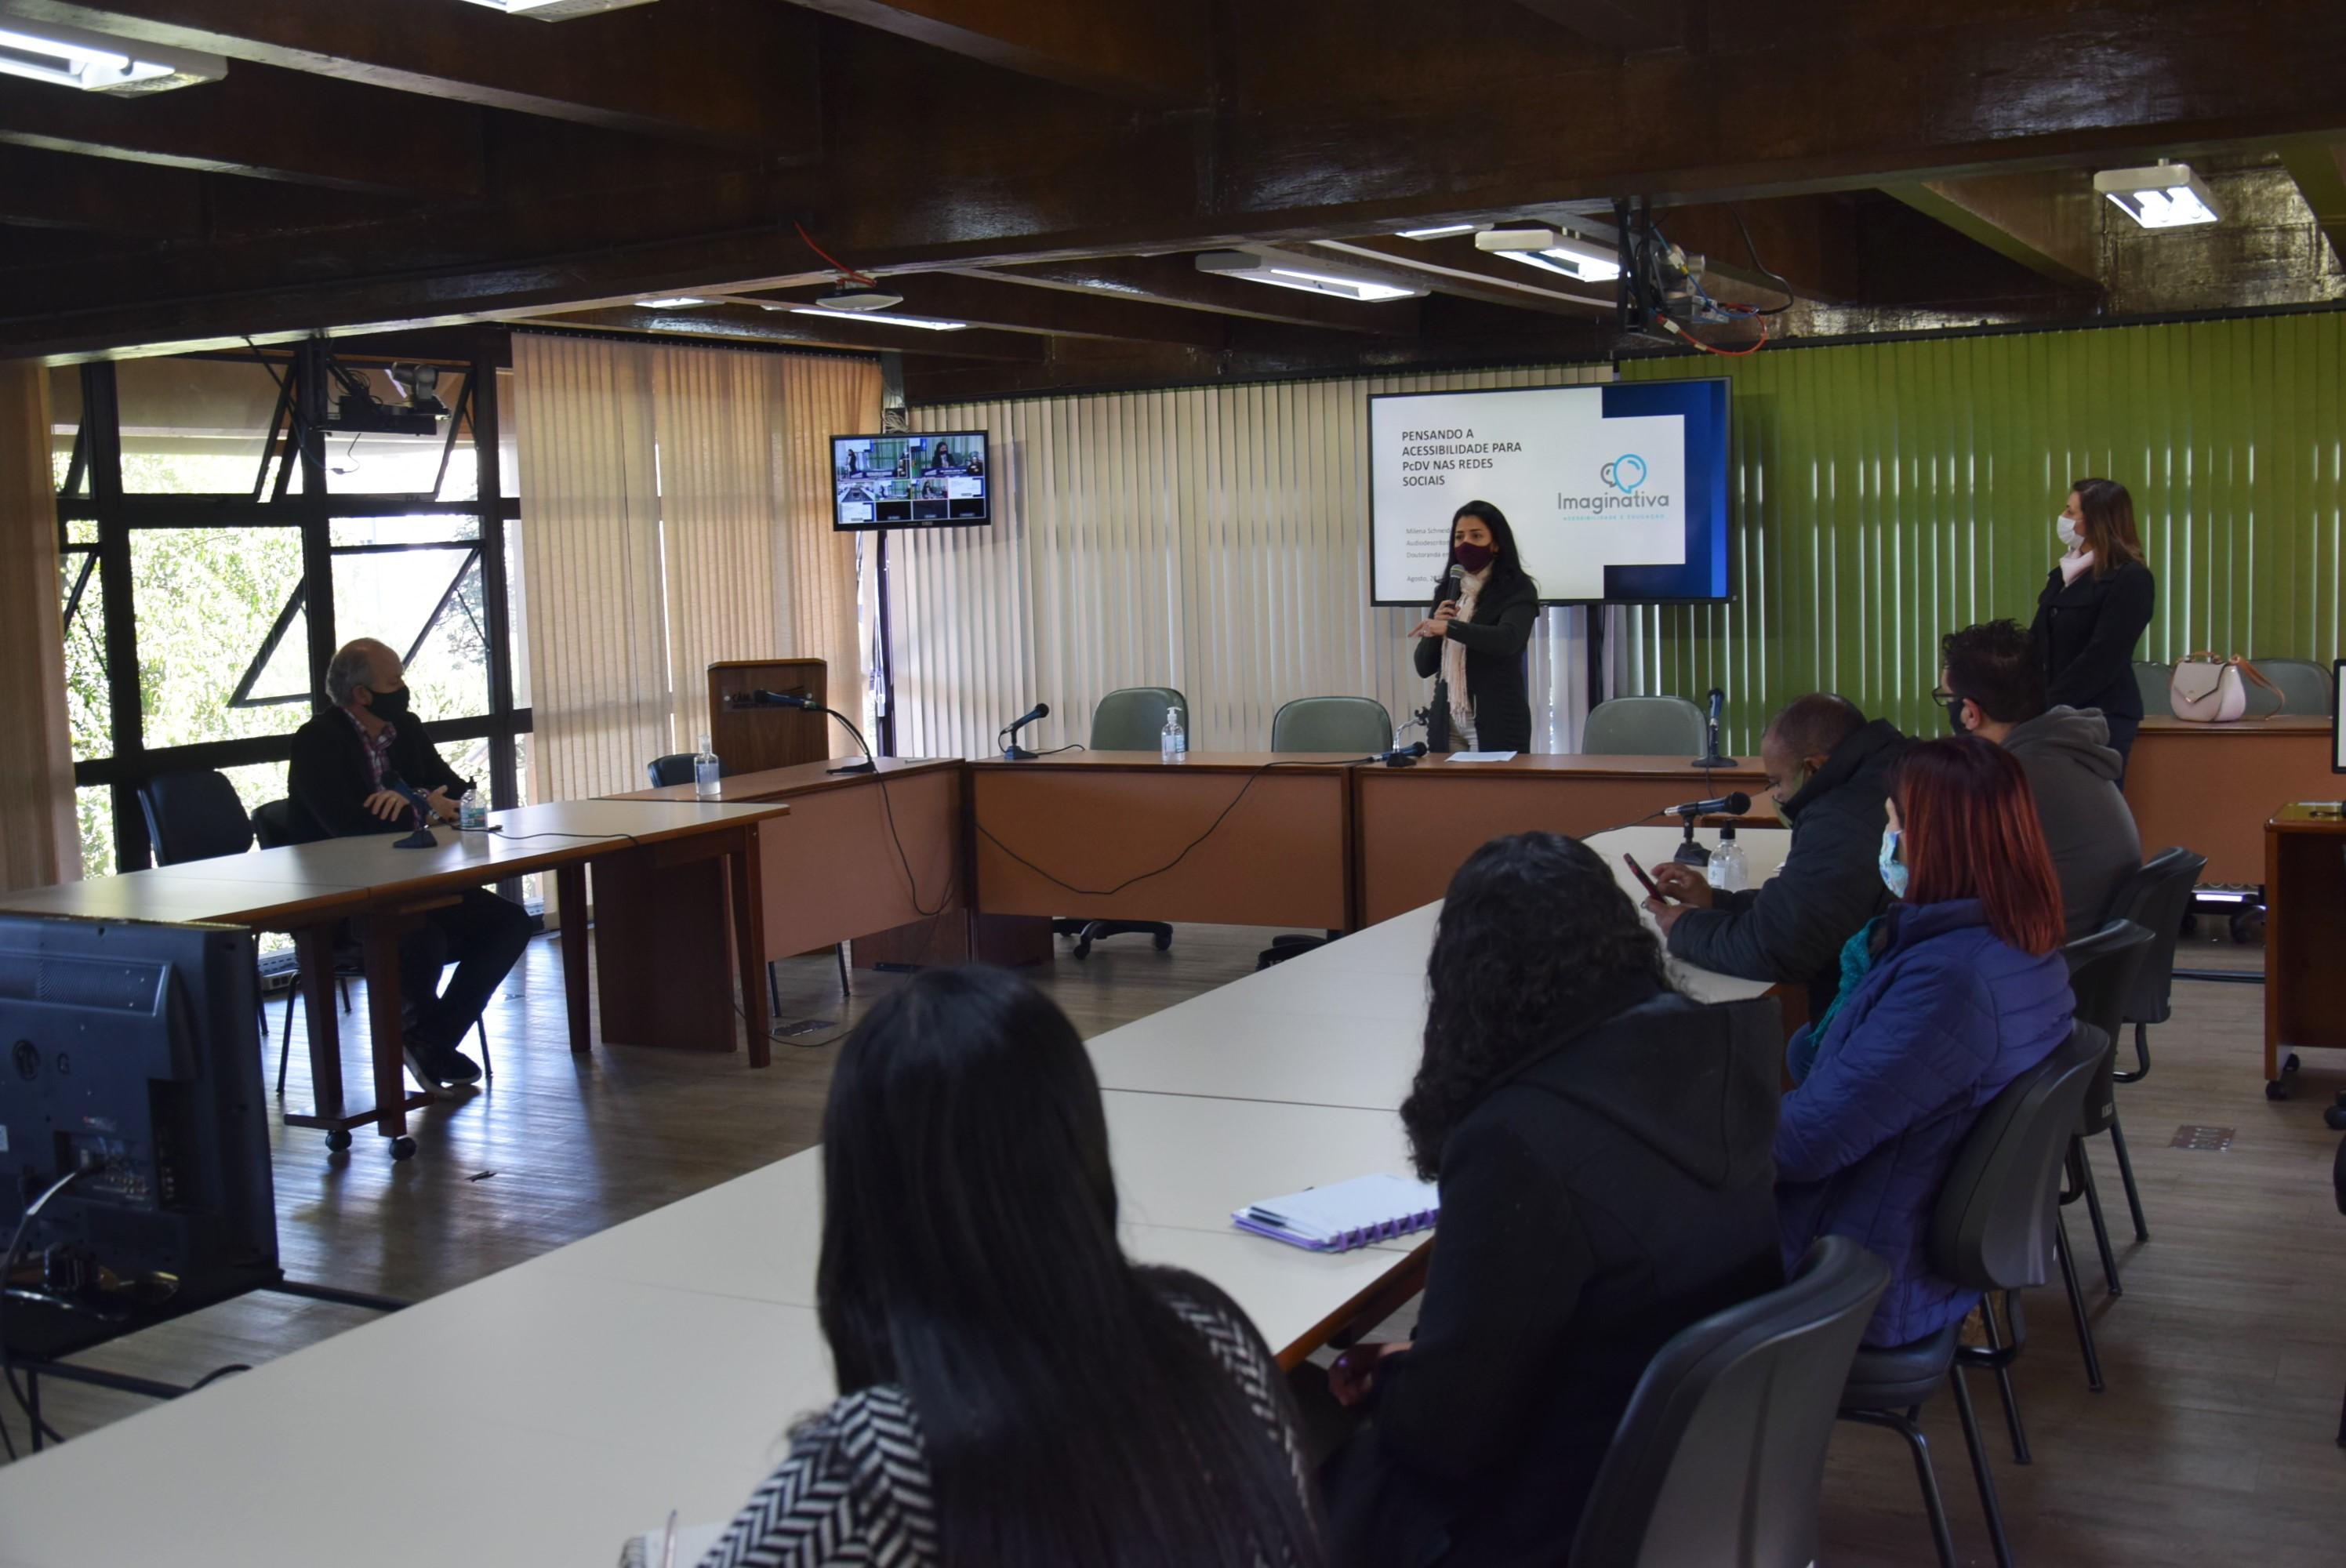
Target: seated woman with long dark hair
pixel 1602 1146
pixel 1013 1390
pixel 1955 992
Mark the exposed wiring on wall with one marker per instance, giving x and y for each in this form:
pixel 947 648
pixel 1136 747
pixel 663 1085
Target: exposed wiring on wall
pixel 846 272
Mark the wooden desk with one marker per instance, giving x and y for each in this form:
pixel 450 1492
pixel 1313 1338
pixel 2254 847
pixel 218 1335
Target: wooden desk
pixel 2305 938
pixel 836 876
pixel 1418 825
pixel 1101 821
pixel 307 889
pixel 2211 787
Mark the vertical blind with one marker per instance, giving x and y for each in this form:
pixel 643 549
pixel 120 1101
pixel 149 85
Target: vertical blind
pixel 1885 494
pixel 1214 539
pixel 676 512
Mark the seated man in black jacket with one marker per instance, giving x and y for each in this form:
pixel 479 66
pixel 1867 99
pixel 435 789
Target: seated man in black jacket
pixel 344 761
pixel 1828 773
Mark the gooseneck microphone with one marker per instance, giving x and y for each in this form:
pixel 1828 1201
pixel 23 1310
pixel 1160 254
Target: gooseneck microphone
pixel 1402 756
pixel 1711 756
pixel 1008 734
pixel 799 700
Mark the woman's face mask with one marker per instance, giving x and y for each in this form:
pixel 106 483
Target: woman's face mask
pixel 2068 531
pixel 1474 558
pixel 1893 870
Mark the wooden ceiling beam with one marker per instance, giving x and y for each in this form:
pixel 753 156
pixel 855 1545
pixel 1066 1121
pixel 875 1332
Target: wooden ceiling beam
pixel 1174 281
pixel 57 191
pixel 1454 266
pixel 2044 220
pixel 1626 26
pixel 734 73
pixel 264 123
pixel 2318 167
pixel 748 324
pixel 1155 52
pixel 985 301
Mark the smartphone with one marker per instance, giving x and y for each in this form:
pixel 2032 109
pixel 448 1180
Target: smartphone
pixel 1638 872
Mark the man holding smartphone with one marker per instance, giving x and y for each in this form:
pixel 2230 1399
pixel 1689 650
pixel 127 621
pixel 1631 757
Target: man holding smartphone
pixel 1828 777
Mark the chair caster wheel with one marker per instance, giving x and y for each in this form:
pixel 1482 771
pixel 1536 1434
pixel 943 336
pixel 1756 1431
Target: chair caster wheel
pixel 402 1148
pixel 338 1138
pixel 1083 950
pixel 2335 1117
pixel 2285 1087
pixel 1164 941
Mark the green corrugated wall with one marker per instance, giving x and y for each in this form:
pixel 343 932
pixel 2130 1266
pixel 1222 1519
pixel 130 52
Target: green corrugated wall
pixel 1883 493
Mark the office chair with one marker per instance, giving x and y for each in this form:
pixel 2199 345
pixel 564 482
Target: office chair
pixel 1989 1233
pixel 1644 727
pixel 1130 719
pixel 2304 685
pixel 2104 967
pixel 2158 696
pixel 2155 897
pixel 1720 1456
pixel 1357 724
pixel 196 815
pixel 2338 1184
pixel 272 824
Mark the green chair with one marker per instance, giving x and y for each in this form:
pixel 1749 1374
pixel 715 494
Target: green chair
pixel 2304 685
pixel 2151 679
pixel 1644 727
pixel 1357 724
pixel 1131 719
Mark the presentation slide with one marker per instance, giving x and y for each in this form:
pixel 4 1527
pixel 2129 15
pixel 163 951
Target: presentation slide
pixel 1614 493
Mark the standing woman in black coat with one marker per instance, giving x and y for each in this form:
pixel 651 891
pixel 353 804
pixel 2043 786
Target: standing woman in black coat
pixel 1478 639
pixel 2096 601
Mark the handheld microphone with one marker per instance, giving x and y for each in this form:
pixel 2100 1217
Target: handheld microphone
pixel 1402 756
pixel 1733 804
pixel 1457 575
pixel 1012 751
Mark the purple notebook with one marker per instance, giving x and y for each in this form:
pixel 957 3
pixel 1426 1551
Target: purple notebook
pixel 1350 1214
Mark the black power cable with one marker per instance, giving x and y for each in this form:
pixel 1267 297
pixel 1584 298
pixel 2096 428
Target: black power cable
pixel 1143 876
pixel 8 1267
pixel 1790 298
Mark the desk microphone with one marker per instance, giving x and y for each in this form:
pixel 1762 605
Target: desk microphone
pixel 799 700
pixel 1729 805
pixel 421 838
pixel 1008 734
pixel 1710 756
pixel 775 700
pixel 1402 756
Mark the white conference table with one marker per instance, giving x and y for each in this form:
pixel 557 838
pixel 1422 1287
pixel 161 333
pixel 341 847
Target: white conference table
pixel 542 1414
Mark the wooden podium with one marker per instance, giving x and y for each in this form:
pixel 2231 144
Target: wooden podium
pixel 755 739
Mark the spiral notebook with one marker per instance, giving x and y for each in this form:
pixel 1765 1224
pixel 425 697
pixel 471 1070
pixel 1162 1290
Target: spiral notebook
pixel 1350 1214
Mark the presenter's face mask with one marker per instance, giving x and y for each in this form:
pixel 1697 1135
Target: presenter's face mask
pixel 1474 558
pixel 1893 870
pixel 2068 529
pixel 390 705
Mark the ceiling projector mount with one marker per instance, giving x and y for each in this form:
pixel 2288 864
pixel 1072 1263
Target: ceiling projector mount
pixel 851 290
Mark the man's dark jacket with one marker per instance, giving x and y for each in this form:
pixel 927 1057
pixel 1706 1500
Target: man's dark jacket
pixel 330 779
pixel 1791 927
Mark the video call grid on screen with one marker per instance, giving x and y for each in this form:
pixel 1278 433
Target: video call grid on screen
pixel 1616 492
pixel 930 479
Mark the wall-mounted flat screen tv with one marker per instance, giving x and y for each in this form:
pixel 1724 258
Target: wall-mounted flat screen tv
pixel 935 479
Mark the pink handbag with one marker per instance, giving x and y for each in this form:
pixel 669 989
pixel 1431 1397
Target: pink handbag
pixel 2206 689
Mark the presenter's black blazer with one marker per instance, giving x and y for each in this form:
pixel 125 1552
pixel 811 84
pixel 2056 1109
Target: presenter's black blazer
pixel 1494 641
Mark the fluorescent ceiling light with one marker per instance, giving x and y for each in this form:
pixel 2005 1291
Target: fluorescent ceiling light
pixel 1551 251
pixel 2164 196
pixel 1285 270
pixel 100 62
pixel 925 322
pixel 556 10
pixel 672 302
pixel 1442 232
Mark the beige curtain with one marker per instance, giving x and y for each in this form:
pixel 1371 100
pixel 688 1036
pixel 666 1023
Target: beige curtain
pixel 1214 539
pixel 822 398
pixel 676 512
pixel 590 550
pixel 39 842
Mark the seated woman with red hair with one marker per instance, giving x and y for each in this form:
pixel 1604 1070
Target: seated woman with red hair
pixel 1955 992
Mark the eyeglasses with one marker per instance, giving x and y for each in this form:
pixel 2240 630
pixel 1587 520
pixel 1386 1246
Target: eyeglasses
pixel 1942 696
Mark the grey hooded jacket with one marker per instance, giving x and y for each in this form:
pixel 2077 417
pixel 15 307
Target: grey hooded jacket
pixel 2074 775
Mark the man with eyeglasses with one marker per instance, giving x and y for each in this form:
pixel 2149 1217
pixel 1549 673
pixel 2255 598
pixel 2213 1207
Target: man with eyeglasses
pixel 1828 777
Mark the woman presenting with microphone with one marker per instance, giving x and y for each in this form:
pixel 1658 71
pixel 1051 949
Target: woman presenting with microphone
pixel 2096 601
pixel 1475 639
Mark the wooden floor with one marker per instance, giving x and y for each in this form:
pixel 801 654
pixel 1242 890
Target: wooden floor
pixel 2225 1357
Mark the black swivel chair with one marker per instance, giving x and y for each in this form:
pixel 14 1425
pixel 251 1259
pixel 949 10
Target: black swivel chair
pixel 2157 898
pixel 272 824
pixel 1996 1223
pixel 2105 967
pixel 1130 718
pixel 196 816
pixel 1720 1456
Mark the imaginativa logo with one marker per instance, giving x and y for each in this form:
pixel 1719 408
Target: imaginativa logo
pixel 1625 472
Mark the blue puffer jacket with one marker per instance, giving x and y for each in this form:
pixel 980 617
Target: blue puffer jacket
pixel 1946 1017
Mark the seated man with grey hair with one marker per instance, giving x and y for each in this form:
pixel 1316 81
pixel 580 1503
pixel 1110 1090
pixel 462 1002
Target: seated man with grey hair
pixel 348 763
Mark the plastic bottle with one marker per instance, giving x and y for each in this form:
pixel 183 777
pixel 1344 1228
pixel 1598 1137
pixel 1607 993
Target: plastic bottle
pixel 1174 744
pixel 706 772
pixel 1730 872
pixel 473 812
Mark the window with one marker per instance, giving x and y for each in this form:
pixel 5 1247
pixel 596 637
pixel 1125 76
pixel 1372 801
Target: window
pixel 212 604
